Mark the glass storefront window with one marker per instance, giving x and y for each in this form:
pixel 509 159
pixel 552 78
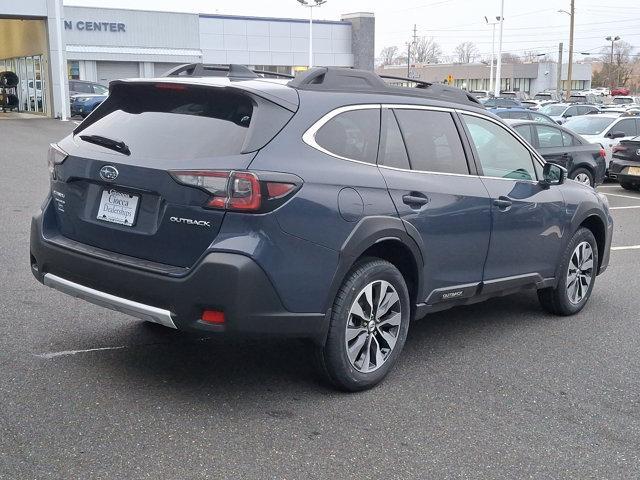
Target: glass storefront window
pixel 73 69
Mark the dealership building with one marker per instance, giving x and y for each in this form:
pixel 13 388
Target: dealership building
pixel 47 44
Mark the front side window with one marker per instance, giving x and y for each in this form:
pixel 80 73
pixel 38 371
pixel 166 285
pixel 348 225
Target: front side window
pixel 525 132
pixel 432 141
pixel 628 126
pixel 500 154
pixel 352 135
pixel 549 137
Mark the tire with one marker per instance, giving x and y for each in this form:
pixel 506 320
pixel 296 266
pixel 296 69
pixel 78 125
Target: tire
pixel 346 365
pixel 563 299
pixel 581 175
pixel 629 186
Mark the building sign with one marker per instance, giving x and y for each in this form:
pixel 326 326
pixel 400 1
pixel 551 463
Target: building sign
pixel 87 26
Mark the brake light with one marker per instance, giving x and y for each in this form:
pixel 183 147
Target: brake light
pixel 238 191
pixel 603 153
pixel 213 316
pixel 171 86
pixel 55 156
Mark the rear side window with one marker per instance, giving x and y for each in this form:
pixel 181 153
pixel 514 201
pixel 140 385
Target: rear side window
pixel 628 126
pixel 82 87
pixel 539 118
pixel 549 137
pixel 525 132
pixel 568 140
pixel 520 115
pixel 352 135
pixel 177 121
pixel 392 150
pixel 432 141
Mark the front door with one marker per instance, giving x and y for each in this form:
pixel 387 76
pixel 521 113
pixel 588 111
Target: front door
pixel 425 166
pixel 527 218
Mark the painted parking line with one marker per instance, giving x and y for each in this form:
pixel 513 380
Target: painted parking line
pixel 629 247
pixel 624 208
pixel 64 353
pixel 621 196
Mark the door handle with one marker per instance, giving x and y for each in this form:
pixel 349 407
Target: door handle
pixel 415 200
pixel 502 203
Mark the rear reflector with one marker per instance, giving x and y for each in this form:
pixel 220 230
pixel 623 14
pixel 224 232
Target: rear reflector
pixel 213 316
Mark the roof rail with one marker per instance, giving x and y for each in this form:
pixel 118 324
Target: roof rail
pixel 231 71
pixel 352 80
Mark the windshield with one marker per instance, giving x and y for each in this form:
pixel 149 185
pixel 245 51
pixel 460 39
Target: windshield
pixel 588 125
pixel 553 110
pixel 622 101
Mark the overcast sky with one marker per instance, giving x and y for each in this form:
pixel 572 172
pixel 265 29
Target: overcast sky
pixel 529 25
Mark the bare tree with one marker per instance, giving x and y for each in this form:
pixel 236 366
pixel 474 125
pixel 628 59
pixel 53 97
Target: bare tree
pixel 388 55
pixel 534 57
pixel 511 58
pixel 426 50
pixel 618 72
pixel 466 52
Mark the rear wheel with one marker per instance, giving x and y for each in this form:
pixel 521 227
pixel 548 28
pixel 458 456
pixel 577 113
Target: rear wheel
pixel 582 175
pixel 369 324
pixel 578 270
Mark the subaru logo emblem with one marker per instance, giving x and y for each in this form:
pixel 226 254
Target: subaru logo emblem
pixel 638 152
pixel 109 173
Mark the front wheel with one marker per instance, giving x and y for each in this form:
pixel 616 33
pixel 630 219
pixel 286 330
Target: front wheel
pixel 368 328
pixel 578 270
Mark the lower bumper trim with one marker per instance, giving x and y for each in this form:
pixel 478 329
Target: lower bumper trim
pixel 119 304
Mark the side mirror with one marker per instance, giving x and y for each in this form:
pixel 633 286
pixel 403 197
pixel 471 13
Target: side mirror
pixel 616 134
pixel 567 115
pixel 553 174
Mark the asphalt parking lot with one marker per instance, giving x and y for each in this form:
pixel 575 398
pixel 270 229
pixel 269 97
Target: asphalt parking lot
pixel 496 390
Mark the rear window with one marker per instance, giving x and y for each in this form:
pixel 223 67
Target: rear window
pixel 178 121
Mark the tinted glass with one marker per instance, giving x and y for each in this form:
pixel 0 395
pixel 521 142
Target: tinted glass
pixel 520 115
pixel 588 125
pixel 100 90
pixel 392 150
pixel 432 141
pixel 162 123
pixel 525 132
pixel 82 87
pixel 571 112
pixel 568 140
pixel 504 114
pixel 540 118
pixel 549 137
pixel 553 110
pixel 352 135
pixel 628 126
pixel 500 154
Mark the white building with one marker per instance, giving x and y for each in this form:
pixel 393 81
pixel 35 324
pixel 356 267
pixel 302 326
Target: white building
pixel 102 44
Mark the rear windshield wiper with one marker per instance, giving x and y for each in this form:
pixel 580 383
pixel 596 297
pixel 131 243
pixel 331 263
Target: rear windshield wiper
pixel 109 143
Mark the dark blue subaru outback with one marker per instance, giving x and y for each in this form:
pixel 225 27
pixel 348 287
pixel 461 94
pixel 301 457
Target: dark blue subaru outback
pixel 332 206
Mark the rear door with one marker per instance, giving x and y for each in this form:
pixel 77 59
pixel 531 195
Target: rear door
pixel 527 219
pixel 550 144
pixel 434 187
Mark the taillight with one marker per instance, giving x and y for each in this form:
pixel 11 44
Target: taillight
pixel 55 156
pixel 603 153
pixel 618 148
pixel 171 86
pixel 239 190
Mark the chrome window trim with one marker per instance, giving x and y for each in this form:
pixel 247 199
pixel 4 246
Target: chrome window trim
pixel 309 136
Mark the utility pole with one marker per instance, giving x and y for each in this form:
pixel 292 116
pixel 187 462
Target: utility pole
pixel 496 90
pixel 559 73
pixel 572 13
pixel 611 39
pixel 408 59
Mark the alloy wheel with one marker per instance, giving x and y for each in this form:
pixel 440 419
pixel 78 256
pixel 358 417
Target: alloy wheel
pixel 373 326
pixel 583 178
pixel 580 272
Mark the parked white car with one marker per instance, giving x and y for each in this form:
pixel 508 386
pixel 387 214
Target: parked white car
pixel 607 129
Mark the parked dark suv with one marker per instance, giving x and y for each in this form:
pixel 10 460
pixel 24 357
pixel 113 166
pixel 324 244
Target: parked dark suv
pixel 331 206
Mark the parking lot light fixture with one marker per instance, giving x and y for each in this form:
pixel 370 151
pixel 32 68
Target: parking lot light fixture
pixel 311 4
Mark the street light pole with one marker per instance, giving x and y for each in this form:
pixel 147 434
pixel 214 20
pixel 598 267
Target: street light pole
pixel 570 66
pixel 496 90
pixel 311 5
pixel 493 49
pixel 611 39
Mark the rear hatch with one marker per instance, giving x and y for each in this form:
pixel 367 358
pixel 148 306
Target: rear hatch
pixel 115 190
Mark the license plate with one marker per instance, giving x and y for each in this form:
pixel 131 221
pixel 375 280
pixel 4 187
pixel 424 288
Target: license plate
pixel 118 207
pixel 634 171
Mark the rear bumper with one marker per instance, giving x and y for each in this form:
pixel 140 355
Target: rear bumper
pixel 227 282
pixel 618 169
